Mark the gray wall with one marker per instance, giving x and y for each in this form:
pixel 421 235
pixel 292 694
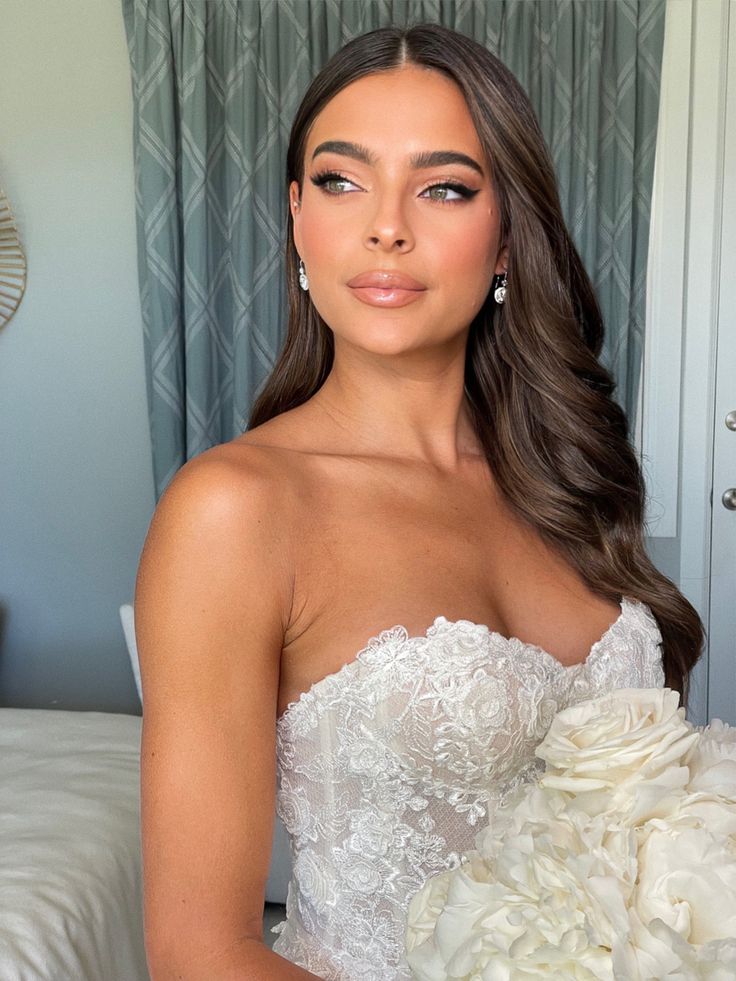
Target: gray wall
pixel 76 488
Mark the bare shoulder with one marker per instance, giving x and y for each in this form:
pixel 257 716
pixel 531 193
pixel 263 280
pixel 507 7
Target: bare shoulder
pixel 220 533
pixel 230 468
pixel 233 481
pixel 248 497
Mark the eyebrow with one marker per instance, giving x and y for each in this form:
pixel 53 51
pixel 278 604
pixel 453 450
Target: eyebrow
pixel 418 161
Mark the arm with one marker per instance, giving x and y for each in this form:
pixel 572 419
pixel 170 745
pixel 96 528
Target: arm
pixel 212 601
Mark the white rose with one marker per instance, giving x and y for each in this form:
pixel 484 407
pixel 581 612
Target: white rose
pixel 712 760
pixel 714 961
pixel 717 814
pixel 547 898
pixel 424 908
pixel 526 802
pixel 687 875
pixel 650 952
pixel 621 753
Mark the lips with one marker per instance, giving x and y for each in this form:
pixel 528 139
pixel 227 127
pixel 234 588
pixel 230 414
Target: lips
pixel 385 279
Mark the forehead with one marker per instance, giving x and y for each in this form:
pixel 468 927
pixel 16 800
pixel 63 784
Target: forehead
pixel 397 112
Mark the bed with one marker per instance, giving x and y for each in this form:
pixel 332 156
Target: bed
pixel 70 874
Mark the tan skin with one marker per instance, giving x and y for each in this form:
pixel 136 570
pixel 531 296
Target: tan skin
pixel 272 559
pixel 402 519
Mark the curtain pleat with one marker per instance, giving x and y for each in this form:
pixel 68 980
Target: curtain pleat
pixel 215 88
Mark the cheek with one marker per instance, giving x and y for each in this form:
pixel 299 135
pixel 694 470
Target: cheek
pixel 467 263
pixel 323 235
pixel 470 249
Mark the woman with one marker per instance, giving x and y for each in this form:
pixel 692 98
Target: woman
pixel 435 476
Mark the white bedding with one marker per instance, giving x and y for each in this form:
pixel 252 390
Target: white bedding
pixel 70 870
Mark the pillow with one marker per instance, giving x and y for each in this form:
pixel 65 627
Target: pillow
pixel 128 621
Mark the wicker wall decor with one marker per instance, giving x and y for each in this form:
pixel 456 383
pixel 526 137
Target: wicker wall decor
pixel 12 263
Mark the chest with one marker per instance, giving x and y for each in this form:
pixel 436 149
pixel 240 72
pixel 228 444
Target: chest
pixel 382 546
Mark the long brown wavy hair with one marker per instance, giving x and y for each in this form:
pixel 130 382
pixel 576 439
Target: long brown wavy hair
pixel 540 401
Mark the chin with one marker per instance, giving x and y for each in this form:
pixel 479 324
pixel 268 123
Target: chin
pixel 385 337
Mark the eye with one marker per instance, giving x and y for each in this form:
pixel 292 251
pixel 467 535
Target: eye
pixel 463 192
pixel 326 177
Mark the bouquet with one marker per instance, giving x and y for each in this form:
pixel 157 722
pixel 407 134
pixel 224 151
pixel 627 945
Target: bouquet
pixel 619 864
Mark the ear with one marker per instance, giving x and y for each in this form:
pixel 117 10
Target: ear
pixel 502 261
pixel 295 208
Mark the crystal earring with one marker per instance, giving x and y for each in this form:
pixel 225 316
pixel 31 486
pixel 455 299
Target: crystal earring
pixel 303 281
pixel 499 287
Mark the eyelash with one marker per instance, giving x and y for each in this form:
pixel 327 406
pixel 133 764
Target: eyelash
pixel 320 179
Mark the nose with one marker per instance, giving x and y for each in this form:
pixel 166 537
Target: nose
pixel 388 227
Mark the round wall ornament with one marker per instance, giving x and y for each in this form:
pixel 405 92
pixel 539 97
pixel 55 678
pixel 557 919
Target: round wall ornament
pixel 12 263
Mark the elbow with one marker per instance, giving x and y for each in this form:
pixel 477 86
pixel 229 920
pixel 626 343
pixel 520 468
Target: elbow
pixel 240 962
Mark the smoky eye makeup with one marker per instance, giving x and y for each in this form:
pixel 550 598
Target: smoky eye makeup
pixel 324 177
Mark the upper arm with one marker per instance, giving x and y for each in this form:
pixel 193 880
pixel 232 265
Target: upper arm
pixel 211 608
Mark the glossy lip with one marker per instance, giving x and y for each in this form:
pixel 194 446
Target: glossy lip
pixel 385 279
pixel 391 297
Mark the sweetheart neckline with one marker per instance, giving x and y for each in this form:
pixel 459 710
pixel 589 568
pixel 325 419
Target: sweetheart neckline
pixel 388 633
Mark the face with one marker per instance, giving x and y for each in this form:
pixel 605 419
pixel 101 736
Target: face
pixel 436 222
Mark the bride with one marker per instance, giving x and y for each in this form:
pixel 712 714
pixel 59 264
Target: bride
pixel 365 611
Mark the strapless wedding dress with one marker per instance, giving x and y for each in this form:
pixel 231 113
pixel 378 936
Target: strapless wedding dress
pixel 385 770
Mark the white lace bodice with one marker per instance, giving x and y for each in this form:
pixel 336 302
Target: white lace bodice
pixel 386 767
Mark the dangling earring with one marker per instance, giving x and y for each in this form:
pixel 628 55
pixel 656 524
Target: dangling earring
pixel 303 281
pixel 499 287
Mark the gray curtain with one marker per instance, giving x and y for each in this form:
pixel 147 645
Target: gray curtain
pixel 215 88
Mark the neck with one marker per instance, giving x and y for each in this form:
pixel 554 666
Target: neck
pixel 412 408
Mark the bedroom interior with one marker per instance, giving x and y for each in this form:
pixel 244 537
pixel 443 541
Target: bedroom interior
pixel 82 471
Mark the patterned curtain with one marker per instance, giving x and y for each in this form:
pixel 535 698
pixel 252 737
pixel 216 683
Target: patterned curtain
pixel 215 88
